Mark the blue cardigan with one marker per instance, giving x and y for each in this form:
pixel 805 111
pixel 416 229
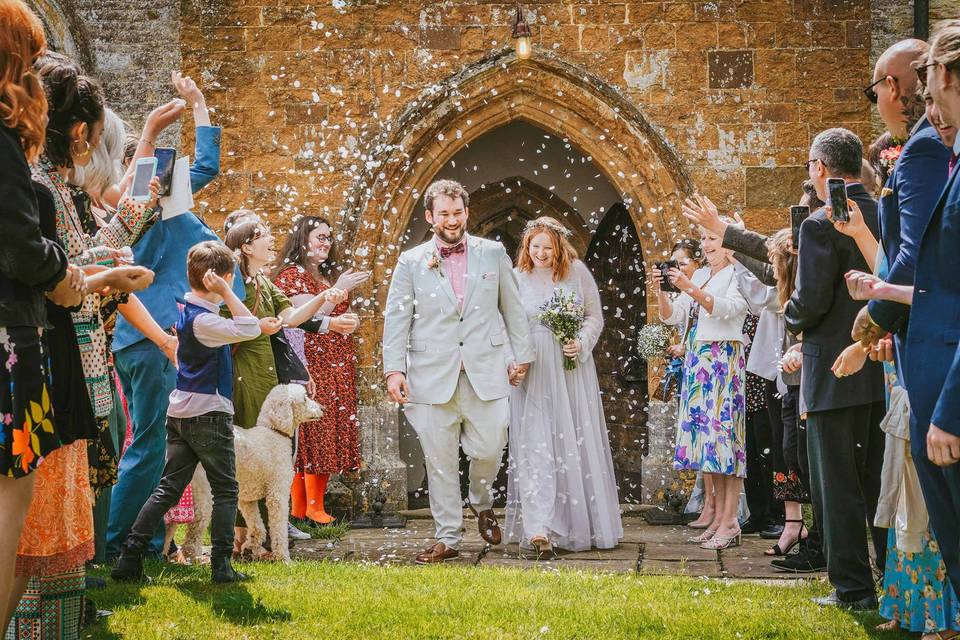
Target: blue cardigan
pixel 164 248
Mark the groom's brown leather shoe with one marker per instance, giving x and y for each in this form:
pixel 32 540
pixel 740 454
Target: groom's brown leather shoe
pixel 489 528
pixel 436 554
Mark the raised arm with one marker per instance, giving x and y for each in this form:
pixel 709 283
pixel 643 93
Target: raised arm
pixel 817 271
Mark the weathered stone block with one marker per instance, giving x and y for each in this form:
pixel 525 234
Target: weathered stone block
pixel 440 37
pixel 730 69
pixel 774 186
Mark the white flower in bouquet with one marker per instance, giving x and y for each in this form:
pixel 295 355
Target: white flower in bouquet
pixel 653 340
pixel 563 315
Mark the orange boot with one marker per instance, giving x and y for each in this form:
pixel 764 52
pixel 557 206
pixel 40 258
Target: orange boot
pixel 298 497
pixel 316 486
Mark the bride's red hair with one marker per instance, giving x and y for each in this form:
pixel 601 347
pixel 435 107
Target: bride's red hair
pixel 23 103
pixel 563 252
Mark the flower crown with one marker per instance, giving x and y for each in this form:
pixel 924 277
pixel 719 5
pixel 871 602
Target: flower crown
pixel 550 224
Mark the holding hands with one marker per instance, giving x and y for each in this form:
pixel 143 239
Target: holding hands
pixel 517 372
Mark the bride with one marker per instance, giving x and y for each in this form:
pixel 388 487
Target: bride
pixel 561 489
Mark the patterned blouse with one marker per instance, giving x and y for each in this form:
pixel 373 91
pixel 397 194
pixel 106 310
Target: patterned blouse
pixel 83 249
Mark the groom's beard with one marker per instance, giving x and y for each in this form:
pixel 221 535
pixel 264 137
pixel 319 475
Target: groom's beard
pixel 450 237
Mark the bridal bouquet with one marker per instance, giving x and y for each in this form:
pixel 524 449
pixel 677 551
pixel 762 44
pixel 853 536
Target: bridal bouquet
pixel 563 315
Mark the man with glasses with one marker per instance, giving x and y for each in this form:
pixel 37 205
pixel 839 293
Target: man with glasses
pixel 911 191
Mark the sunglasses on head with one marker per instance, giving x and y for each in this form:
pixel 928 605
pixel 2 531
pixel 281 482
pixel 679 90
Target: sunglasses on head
pixel 871 93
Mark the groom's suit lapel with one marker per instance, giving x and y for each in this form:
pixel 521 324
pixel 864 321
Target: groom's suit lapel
pixel 474 255
pixel 430 251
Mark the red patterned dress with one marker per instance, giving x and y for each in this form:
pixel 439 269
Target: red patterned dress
pixel 332 443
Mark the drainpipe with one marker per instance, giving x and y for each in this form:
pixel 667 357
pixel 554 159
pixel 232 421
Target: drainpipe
pixel 921 19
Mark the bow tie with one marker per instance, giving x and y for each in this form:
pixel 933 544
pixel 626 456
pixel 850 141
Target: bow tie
pixel 446 252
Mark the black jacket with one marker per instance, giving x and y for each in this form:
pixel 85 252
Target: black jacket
pixel 750 250
pixel 29 263
pixel 823 311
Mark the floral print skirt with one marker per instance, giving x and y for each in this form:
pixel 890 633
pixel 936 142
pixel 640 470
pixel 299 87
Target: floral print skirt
pixel 916 592
pixel 711 436
pixel 28 433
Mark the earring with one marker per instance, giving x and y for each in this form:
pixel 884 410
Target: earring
pixel 80 155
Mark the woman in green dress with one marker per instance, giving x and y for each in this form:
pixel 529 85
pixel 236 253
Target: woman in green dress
pixel 254 371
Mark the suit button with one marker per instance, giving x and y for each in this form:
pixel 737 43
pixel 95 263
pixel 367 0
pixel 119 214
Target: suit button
pixel 461 319
pixel 461 344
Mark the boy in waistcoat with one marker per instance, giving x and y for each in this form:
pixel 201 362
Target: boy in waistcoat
pixel 200 413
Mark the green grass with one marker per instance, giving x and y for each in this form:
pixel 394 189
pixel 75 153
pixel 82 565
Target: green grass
pixel 308 600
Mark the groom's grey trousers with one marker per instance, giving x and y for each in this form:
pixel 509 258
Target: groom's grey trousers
pixel 480 427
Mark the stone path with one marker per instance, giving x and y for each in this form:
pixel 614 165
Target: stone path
pixel 645 549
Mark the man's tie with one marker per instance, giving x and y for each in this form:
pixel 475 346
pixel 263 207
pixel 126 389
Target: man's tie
pixel 446 252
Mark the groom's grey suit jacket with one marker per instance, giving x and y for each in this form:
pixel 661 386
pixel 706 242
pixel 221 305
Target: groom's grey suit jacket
pixel 427 337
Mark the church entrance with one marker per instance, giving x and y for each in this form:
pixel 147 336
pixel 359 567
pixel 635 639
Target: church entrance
pixel 516 173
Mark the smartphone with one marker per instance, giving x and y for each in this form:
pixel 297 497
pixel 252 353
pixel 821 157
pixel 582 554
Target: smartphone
pixel 798 214
pixel 665 284
pixel 145 170
pixel 166 157
pixel 838 199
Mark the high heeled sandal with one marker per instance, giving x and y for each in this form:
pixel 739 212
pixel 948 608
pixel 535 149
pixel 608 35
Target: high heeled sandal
pixel 697 525
pixel 703 537
pixel 718 542
pixel 775 550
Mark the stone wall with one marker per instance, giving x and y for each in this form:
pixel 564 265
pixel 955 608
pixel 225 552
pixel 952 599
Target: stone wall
pixel 736 88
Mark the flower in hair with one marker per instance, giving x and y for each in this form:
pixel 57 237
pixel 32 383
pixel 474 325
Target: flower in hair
pixel 549 224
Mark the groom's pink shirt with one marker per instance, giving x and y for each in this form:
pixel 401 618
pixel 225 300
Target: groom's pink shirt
pixel 455 268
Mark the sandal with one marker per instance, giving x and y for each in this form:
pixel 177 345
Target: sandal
pixel 775 550
pixel 703 537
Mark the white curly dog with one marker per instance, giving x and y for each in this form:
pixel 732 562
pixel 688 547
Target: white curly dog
pixel 264 471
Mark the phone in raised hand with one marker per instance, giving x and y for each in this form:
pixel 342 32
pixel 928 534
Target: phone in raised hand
pixel 798 214
pixel 166 158
pixel 145 170
pixel 837 193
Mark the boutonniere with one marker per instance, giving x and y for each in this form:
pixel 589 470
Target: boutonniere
pixel 888 157
pixel 434 261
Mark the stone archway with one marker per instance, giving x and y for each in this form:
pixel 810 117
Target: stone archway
pixel 562 99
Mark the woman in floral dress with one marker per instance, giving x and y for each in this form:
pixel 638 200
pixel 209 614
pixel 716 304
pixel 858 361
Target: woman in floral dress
pixel 711 432
pixel 331 444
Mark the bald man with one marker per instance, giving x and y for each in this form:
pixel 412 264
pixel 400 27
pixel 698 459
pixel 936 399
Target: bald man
pixel 913 187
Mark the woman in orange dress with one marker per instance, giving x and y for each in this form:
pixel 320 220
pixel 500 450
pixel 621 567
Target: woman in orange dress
pixel 332 444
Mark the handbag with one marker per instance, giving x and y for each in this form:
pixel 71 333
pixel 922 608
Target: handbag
pixel 287 363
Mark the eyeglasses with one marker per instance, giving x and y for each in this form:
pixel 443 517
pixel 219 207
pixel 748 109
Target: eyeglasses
pixel 807 163
pixel 922 73
pixel 869 91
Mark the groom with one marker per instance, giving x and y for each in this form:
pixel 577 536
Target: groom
pixel 445 360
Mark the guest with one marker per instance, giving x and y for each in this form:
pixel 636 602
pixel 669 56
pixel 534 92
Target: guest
pixel 934 434
pixel 30 266
pixel 843 415
pixel 915 180
pixel 146 374
pixel 200 411
pixel 688 254
pixel 56 542
pixel 332 444
pixel 711 437
pixel 562 490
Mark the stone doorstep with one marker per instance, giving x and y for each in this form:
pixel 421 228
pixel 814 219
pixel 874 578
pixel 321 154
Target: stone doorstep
pixel 677 552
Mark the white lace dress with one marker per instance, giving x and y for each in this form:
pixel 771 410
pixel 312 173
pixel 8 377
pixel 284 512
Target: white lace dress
pixel 561 482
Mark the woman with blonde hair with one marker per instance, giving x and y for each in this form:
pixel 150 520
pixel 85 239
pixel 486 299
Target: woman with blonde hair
pixel 561 489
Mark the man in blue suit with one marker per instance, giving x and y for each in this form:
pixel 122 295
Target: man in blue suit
pixel 147 377
pixel 914 184
pixel 932 360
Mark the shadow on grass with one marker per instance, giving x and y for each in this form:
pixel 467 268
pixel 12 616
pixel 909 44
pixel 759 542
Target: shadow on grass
pixel 232 602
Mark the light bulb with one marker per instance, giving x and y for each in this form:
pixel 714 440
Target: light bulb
pixel 524 48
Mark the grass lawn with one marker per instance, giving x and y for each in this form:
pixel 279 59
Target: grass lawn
pixel 346 600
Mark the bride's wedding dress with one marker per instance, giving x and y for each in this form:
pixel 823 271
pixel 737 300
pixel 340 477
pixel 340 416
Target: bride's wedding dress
pixel 561 480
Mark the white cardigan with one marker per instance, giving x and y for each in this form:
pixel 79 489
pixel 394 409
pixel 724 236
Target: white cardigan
pixel 725 324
